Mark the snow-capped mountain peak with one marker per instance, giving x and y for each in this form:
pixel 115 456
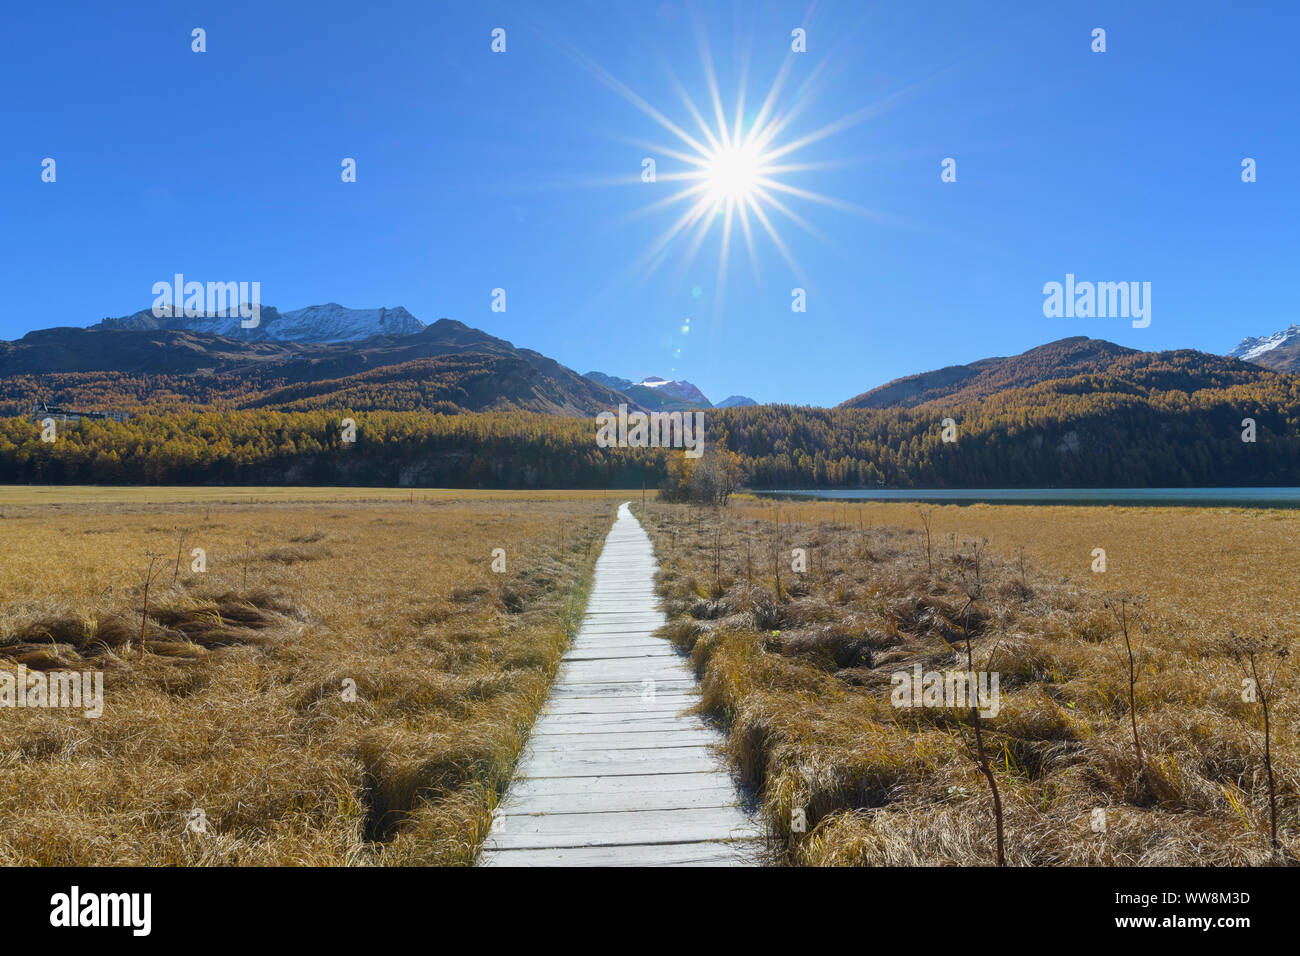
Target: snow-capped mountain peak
pixel 330 322
pixel 654 392
pixel 334 323
pixel 684 391
pixel 1251 348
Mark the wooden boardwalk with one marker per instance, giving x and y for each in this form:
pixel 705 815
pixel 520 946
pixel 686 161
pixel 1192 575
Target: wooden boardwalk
pixel 614 773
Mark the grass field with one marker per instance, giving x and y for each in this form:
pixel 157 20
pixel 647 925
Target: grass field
pixel 1221 567
pixel 348 681
pixel 801 671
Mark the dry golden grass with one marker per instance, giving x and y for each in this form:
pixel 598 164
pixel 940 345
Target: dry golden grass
pixel 802 677
pixel 1228 567
pixel 234 704
pixel 60 495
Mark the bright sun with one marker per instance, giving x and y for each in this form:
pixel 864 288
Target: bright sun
pixel 732 169
pixel 732 174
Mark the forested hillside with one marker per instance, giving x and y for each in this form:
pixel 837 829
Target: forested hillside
pixel 1092 364
pixel 482 413
pixel 1119 428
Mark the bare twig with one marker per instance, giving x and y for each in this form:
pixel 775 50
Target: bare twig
pixel 1252 649
pixel 180 546
pixel 149 573
pixel 981 756
pixel 929 553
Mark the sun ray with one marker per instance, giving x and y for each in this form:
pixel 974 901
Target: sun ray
pixel 740 104
pixel 790 214
pixel 623 90
pixel 761 118
pixel 819 166
pixel 726 246
pixel 712 80
pixel 666 201
pixel 871 111
pixel 691 108
pixel 749 238
pixel 668 235
pixel 811 196
pixel 699 159
pixel 772 234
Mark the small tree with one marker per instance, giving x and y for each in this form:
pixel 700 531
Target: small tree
pixel 1120 610
pixel 710 479
pixel 929 553
pixel 973 592
pixel 675 485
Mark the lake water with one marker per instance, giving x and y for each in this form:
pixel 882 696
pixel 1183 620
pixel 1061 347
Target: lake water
pixel 1189 497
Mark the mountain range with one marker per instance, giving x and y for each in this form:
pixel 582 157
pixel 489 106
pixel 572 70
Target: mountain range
pixel 446 366
pixel 315 357
pixel 1077 412
pixel 329 356
pixel 661 394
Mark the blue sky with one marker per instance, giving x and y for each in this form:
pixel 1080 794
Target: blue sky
pixel 522 171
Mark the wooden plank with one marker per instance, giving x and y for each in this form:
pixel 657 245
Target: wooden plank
pixel 620 829
pixel 586 763
pixel 609 620
pixel 562 724
pixel 663 700
pixel 636 653
pixel 618 801
pixel 662 704
pixel 559 788
pixel 624 670
pixel 620 639
pixel 627 740
pixel 623 688
pixel 602 631
pixel 664 854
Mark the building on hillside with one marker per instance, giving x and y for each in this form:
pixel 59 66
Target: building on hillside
pixel 44 410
